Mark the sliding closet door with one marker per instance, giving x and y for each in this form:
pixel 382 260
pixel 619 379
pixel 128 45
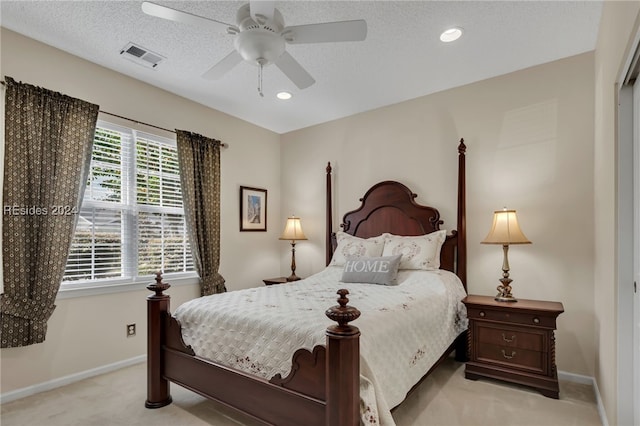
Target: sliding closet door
pixel 628 245
pixel 636 249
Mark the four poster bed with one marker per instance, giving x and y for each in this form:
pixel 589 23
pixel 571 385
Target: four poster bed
pixel 335 377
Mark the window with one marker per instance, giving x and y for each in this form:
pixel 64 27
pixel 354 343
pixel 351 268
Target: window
pixel 131 222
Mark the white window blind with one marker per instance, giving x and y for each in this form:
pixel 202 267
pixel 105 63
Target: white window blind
pixel 132 221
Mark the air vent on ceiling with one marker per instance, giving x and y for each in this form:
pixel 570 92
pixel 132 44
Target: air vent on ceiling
pixel 141 55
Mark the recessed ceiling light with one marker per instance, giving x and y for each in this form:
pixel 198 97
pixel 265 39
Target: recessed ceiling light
pixel 452 34
pixel 284 95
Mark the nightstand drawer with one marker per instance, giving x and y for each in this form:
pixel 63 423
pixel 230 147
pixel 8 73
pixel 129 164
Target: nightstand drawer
pixel 510 337
pixel 511 317
pixel 513 357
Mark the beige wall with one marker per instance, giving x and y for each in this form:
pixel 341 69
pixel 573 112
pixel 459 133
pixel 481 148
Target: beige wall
pixel 530 147
pixel 89 332
pixel 619 24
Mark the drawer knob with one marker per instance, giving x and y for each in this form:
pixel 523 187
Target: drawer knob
pixel 482 314
pixel 504 354
pixel 508 340
pixel 536 320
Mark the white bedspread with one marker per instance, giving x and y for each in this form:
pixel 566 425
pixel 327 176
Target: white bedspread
pixel 405 329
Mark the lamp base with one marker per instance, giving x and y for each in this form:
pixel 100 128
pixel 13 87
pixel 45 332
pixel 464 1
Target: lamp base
pixel 293 277
pixel 504 290
pixel 500 298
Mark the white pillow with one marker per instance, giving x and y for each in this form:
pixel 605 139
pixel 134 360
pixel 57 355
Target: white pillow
pixel 420 252
pixel 350 246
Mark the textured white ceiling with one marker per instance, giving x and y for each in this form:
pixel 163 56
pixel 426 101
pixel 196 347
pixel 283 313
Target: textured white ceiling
pixel 402 57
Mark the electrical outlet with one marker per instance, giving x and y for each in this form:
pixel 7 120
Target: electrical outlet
pixel 131 330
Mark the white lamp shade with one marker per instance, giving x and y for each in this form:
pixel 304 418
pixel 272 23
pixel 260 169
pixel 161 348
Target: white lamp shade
pixel 293 230
pixel 505 229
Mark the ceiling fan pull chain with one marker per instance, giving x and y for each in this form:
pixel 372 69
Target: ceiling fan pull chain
pixel 260 81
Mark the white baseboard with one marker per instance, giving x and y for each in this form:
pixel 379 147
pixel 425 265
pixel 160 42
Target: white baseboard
pixel 62 381
pixel 587 380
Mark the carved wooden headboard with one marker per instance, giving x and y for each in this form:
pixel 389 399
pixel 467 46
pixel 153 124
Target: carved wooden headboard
pixel 390 206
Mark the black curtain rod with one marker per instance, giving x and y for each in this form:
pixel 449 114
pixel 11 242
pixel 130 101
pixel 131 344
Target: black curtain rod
pixel 136 121
pixel 222 144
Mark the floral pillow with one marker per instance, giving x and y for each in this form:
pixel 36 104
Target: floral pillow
pixel 420 252
pixel 350 246
pixel 371 270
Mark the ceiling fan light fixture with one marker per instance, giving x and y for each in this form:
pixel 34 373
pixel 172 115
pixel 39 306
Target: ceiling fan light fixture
pixel 284 95
pixel 259 46
pixel 451 34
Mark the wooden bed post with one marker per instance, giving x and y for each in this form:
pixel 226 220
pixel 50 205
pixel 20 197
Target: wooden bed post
pixel 328 245
pixel 157 310
pixel 461 262
pixel 343 365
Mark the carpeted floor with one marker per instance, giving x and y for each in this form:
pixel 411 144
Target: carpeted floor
pixel 445 398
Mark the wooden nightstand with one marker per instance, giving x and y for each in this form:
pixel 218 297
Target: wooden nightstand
pixel 513 341
pixel 278 280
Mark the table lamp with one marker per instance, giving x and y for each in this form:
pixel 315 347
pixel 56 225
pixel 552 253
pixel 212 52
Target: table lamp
pixel 505 230
pixel 293 232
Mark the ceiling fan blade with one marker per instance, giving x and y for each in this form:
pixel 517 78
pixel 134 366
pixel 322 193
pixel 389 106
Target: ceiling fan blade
pixel 223 66
pixel 327 32
pixel 261 10
pixel 292 69
pixel 184 17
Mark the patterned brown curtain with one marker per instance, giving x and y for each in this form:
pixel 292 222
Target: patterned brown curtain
pixel 199 160
pixel 48 142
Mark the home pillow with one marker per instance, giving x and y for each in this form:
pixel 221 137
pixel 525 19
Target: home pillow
pixel 420 252
pixel 350 246
pixel 371 270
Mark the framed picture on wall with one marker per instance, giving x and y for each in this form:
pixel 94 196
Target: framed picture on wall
pixel 253 209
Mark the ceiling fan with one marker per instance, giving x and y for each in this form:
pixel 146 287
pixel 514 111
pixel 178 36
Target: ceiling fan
pixel 260 38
